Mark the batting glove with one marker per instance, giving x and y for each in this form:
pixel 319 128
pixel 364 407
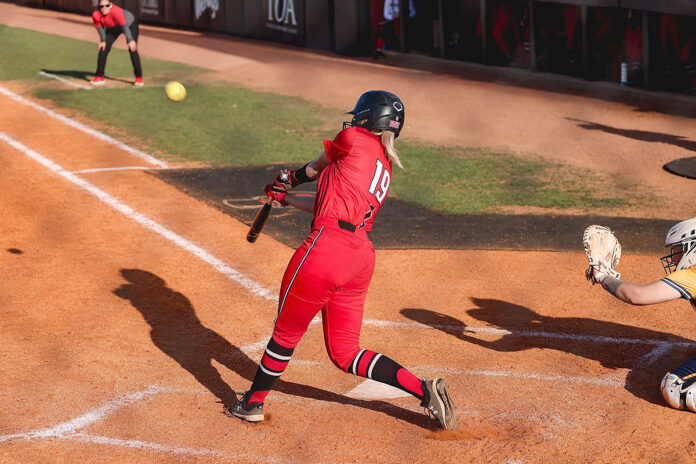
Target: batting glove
pixel 276 193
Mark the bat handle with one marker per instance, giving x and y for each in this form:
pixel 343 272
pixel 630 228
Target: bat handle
pixel 259 222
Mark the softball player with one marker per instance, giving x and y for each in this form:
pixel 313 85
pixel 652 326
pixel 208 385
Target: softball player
pixel 111 21
pixel 332 269
pixel 678 387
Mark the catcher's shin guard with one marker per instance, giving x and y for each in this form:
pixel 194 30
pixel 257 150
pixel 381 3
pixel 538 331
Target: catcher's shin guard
pixel 677 393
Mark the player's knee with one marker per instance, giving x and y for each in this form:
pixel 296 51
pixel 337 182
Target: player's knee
pixel 343 358
pixel 678 394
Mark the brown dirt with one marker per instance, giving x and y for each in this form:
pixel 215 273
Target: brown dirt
pixel 93 306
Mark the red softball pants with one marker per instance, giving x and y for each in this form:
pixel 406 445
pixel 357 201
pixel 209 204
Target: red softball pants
pixel 331 273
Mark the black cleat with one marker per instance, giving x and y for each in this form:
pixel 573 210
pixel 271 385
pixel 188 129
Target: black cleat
pixel 438 404
pixel 250 412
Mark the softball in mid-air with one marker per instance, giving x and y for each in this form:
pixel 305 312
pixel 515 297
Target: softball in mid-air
pixel 175 91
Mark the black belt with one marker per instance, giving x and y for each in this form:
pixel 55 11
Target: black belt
pixel 346 226
pixel 343 225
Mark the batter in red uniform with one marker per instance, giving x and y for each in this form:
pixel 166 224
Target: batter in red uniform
pixel 111 21
pixel 332 269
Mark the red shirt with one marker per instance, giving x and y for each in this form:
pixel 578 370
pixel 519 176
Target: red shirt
pixel 114 18
pixel 353 187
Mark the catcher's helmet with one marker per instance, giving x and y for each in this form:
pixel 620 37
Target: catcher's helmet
pixel 682 238
pixel 378 110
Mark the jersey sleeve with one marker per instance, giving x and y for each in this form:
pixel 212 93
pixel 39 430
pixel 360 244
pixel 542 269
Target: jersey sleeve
pixel 684 281
pixel 340 146
pixel 128 20
pixel 97 20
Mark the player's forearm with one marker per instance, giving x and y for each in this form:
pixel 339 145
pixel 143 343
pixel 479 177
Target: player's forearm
pixel 314 168
pixel 301 201
pixel 102 34
pixel 616 287
pixel 639 295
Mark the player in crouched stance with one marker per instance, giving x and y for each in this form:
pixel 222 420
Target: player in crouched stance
pixel 678 387
pixel 331 271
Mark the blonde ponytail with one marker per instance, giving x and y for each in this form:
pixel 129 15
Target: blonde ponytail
pixel 387 138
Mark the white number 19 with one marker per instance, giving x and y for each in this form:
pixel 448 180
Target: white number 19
pixel 382 173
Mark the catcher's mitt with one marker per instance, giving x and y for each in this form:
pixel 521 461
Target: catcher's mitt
pixel 603 251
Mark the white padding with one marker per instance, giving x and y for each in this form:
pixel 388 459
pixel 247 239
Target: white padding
pixel 690 397
pixel 671 390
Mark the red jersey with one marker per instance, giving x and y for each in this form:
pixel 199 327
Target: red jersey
pixel 115 18
pixel 354 185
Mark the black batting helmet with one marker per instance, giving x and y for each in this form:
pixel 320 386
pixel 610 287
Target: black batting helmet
pixel 378 110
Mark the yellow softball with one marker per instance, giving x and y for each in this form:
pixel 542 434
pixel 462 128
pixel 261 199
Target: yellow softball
pixel 175 91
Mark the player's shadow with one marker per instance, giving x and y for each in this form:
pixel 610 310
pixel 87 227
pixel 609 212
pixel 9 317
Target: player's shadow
pixel 177 331
pixel 647 362
pixel 82 75
pixel 645 136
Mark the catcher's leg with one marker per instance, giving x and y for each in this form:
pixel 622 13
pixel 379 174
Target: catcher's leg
pixel 679 387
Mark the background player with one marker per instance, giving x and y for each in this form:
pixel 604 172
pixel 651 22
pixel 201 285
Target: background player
pixel 332 269
pixel 678 387
pixel 111 21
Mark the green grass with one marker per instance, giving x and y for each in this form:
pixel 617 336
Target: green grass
pixel 469 180
pixel 234 126
pixel 220 124
pixel 25 53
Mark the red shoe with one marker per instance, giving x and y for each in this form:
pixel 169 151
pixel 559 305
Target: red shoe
pixel 138 82
pixel 97 80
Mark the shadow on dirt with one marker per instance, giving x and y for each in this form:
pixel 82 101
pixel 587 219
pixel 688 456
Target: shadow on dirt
pixel 643 136
pixel 177 331
pixel 648 358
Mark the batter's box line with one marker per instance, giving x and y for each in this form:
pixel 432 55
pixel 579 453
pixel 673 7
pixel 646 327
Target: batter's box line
pixel 175 450
pixel 526 333
pixel 246 282
pixel 70 431
pixel 72 426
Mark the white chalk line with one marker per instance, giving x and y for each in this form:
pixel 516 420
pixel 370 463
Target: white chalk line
pixel 653 355
pixel 520 333
pixel 260 291
pixel 143 220
pixel 253 350
pixel 70 431
pixel 65 81
pixel 600 381
pixel 175 450
pixel 87 86
pixel 63 430
pixel 81 127
pixel 257 288
pixel 86 419
pixel 122 168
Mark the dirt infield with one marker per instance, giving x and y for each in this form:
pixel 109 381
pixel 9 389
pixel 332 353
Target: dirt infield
pixel 131 311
